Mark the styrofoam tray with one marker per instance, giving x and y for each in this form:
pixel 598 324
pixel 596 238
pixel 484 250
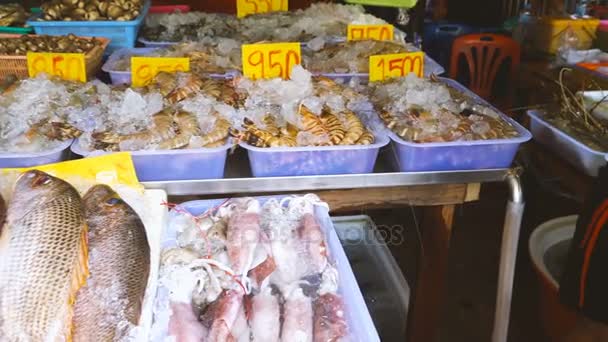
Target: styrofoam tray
pixel 459 155
pixel 59 153
pixel 360 323
pixel 573 151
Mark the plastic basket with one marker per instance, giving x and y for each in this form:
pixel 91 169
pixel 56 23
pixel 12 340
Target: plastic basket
pixel 314 160
pixel 459 155
pixel 20 30
pixel 168 165
pixel 120 33
pixel 59 153
pixel 17 65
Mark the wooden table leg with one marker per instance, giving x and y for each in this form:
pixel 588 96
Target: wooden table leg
pixel 427 305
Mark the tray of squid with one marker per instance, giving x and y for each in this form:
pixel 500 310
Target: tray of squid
pixel 257 269
pixel 318 129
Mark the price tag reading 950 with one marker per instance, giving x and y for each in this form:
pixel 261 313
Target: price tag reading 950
pixel 270 60
pixel 382 67
pixel 143 69
pixel 370 32
pixel 247 7
pixel 68 66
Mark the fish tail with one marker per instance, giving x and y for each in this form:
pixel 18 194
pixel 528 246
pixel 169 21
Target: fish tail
pixel 79 279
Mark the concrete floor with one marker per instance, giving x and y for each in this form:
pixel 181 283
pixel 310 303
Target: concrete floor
pixel 473 265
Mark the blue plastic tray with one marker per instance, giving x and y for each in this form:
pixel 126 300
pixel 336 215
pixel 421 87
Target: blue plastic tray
pixel 124 77
pixel 459 155
pixel 167 165
pixel 120 33
pixel 360 324
pixel 313 161
pixel 55 155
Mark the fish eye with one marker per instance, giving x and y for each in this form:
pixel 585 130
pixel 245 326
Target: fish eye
pixel 41 180
pixel 113 201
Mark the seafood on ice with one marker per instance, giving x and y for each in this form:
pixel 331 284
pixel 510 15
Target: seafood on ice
pixel 71 268
pixel 36 114
pixel 207 56
pixel 248 270
pixel 425 110
pixel 318 23
pixel 175 111
pixel 350 57
pixel 302 111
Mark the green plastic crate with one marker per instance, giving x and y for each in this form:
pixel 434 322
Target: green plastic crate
pixel 385 3
pixel 20 30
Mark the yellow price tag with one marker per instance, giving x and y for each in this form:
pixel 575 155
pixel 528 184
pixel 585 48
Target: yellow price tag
pixel 247 7
pixel 270 60
pixel 68 66
pixel 143 69
pixel 382 67
pixel 370 32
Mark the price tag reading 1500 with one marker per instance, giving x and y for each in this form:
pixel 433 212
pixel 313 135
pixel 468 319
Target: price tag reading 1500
pixel 68 66
pixel 144 69
pixel 382 67
pixel 270 60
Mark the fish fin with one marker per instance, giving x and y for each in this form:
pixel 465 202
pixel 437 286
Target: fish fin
pixel 79 279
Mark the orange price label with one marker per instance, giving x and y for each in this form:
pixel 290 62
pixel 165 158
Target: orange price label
pixel 270 60
pixel 370 32
pixel 382 67
pixel 247 7
pixel 68 66
pixel 143 69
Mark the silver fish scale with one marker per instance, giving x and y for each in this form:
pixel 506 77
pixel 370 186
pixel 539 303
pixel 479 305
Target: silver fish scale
pixel 41 257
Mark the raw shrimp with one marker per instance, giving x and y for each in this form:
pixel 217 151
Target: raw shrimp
pixel 162 130
pixel 265 316
pixel 297 317
pixel 366 139
pixel 354 128
pixel 311 122
pixel 186 85
pixel 188 127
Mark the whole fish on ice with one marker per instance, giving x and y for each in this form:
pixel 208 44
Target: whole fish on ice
pixel 110 303
pixel 43 259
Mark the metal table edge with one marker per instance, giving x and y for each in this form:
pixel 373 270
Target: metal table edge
pixel 325 182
